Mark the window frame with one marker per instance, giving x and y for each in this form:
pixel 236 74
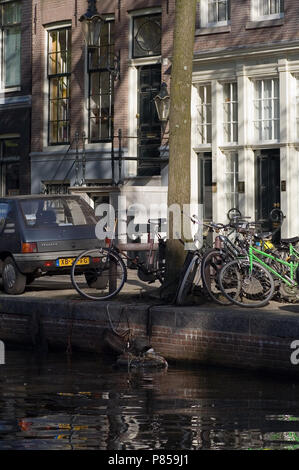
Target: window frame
pixel 107 68
pixel 52 76
pixel 233 109
pixel 150 17
pixel 204 108
pixel 204 14
pixel 262 100
pixel 232 176
pixel 3 28
pixel 296 95
pixel 256 7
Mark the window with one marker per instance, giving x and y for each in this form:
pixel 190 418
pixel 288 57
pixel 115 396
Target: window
pixel 266 110
pixel 59 72
pixel 146 36
pixel 297 107
pixel 205 184
pixel 10 44
pixel 230 112
pixel 267 9
pixel 214 13
pixel 64 212
pixel 5 207
pixel 101 86
pixel 205 114
pixel 231 180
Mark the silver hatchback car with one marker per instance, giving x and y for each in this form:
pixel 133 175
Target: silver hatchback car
pixel 42 235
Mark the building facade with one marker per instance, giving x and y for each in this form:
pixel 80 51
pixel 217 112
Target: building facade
pixel 244 107
pixel 15 96
pixel 95 129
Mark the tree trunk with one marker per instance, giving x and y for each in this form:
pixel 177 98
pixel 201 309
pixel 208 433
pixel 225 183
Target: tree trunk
pixel 180 131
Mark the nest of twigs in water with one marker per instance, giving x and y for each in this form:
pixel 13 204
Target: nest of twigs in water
pixel 149 360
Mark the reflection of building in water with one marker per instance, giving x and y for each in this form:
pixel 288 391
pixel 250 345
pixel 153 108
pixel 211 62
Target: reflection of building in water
pixel 90 405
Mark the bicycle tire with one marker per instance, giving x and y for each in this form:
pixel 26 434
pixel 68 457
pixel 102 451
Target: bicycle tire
pixel 185 287
pixel 104 276
pixel 211 265
pixel 246 288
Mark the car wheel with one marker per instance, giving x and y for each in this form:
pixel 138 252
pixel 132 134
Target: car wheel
pixel 14 281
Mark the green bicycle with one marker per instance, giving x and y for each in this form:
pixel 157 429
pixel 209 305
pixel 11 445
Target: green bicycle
pixel 252 280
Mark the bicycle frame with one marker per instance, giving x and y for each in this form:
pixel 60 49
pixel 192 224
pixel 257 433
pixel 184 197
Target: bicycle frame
pixel 152 267
pixel 291 265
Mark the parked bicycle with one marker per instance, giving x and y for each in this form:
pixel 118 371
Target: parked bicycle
pixel 100 274
pixel 191 279
pixel 202 267
pixel 251 281
pixel 232 242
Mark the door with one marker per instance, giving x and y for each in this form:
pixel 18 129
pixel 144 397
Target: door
pixel 149 131
pixel 9 167
pixel 267 185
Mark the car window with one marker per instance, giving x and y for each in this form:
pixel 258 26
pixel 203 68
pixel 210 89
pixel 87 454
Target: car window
pixel 29 209
pixel 5 208
pixel 56 212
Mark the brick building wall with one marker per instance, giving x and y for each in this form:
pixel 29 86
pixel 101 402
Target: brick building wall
pixel 244 32
pixel 244 47
pixel 248 50
pixel 55 12
pixel 15 111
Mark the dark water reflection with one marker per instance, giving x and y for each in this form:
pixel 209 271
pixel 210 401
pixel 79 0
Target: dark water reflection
pixel 84 403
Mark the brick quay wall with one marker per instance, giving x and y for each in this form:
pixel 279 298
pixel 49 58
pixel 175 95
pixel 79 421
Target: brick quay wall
pixel 253 339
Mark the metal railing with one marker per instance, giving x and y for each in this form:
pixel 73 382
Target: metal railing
pixel 117 159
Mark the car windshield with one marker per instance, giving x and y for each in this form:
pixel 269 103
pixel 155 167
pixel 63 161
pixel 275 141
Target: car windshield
pixel 56 212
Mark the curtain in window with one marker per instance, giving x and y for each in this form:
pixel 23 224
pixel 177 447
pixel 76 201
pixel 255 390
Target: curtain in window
pixel 11 43
pixel 12 56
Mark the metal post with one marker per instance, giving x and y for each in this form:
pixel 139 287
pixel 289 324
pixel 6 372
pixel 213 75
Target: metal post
pixel 77 160
pixel 83 182
pixel 119 155
pixel 112 161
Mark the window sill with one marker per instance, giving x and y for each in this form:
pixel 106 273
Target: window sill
pixel 229 146
pixel 213 30
pixel 10 90
pixel 264 23
pixel 199 148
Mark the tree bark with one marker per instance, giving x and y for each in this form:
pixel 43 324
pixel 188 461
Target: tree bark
pixel 180 130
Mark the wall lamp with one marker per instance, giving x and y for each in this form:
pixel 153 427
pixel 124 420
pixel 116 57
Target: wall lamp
pixel 162 102
pixel 92 23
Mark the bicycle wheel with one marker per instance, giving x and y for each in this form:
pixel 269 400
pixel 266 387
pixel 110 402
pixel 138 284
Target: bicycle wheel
pixel 189 280
pixel 98 274
pixel 244 286
pixel 211 265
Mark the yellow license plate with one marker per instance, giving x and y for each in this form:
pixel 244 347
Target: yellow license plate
pixel 65 262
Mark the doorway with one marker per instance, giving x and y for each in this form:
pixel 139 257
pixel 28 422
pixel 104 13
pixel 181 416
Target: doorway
pixel 9 167
pixel 267 185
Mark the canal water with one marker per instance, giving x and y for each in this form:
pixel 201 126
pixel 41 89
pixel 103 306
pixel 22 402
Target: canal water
pixel 83 402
